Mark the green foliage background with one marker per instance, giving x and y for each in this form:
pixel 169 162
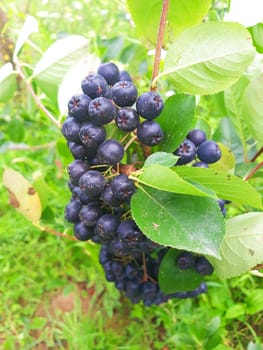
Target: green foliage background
pixel 36 267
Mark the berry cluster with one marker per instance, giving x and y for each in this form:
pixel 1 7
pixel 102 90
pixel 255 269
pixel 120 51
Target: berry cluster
pixel 99 206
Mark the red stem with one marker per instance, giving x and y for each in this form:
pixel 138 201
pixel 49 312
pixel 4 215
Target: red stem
pixel 253 171
pixel 257 154
pixel 159 43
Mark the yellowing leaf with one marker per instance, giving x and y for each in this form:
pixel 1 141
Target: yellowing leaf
pixel 22 196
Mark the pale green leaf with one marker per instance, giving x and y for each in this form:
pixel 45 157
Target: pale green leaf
pixel 227 161
pixel 242 247
pixel 8 84
pixel 161 158
pixel 57 60
pixel 181 15
pixel 208 58
pixel 23 197
pixel 30 26
pixel 253 107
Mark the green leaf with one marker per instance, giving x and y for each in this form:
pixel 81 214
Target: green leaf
pixel 30 26
pixel 179 221
pixel 181 15
pixel 225 185
pixel 253 107
pixel 56 61
pixel 8 84
pixel 242 247
pixel 235 311
pixel 257 36
pixel 254 301
pixel 38 323
pixel 162 158
pixel 23 196
pixel 227 160
pixel 165 179
pixel 176 120
pixel 172 279
pixel 43 190
pixel 16 130
pixel 208 58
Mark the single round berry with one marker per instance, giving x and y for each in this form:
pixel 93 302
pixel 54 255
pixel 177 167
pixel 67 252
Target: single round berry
pixel 90 213
pixel 124 75
pixel 92 135
pixel 200 165
pixel 101 111
pixel 79 151
pixel 110 72
pixel 209 152
pixel 149 105
pixel 109 198
pixel 94 85
pixel 72 211
pixel 82 232
pixel 197 136
pixel 186 151
pixel 117 269
pixel 78 107
pixel 127 119
pixel 185 260
pixel 130 233
pixel 106 226
pixel 203 266
pixel 80 195
pixel 124 93
pixel 92 183
pixel 122 187
pixel 110 152
pixel 76 169
pixel 70 130
pixel 149 133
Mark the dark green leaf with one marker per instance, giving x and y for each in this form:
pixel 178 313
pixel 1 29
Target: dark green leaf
pixel 179 221
pixel 176 120
pixel 225 185
pixel 172 279
pixel 162 158
pixel 16 130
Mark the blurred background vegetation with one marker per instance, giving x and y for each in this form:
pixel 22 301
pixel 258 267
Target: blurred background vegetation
pixel 53 294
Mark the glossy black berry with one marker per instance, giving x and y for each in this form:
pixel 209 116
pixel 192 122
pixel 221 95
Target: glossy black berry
pixel 124 93
pixel 109 198
pixel 124 75
pixel 185 260
pixel 186 151
pixel 203 266
pixel 94 85
pixel 76 169
pixel 78 194
pixel 197 136
pixel 70 130
pixel 78 107
pixel 149 133
pixel 72 211
pixel 92 183
pixel 106 227
pixel 122 187
pixel 79 151
pixel 92 135
pixel 82 232
pixel 209 152
pixel 149 105
pixel 110 72
pixel 101 111
pixel 127 119
pixel 110 152
pixel 129 232
pixel 90 213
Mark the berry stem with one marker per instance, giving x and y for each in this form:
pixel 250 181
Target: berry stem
pixel 253 171
pixel 35 97
pixel 54 232
pixel 257 154
pixel 159 44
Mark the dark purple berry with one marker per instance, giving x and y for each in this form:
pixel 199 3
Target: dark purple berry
pixel 185 260
pixel 149 105
pixel 92 183
pixel 197 136
pixel 122 187
pixel 101 111
pixel 127 119
pixel 124 93
pixel 106 226
pixel 110 152
pixel 186 151
pixel 203 266
pixel 72 211
pixel 124 75
pixel 92 135
pixel 70 130
pixel 80 151
pixel 200 165
pixel 209 152
pixel 82 232
pixel 110 72
pixel 149 133
pixel 76 169
pixel 94 85
pixel 78 107
pixel 90 213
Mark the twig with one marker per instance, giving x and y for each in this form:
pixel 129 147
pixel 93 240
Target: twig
pixel 253 171
pixel 55 233
pixel 35 97
pixel 257 154
pixel 29 148
pixel 159 44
